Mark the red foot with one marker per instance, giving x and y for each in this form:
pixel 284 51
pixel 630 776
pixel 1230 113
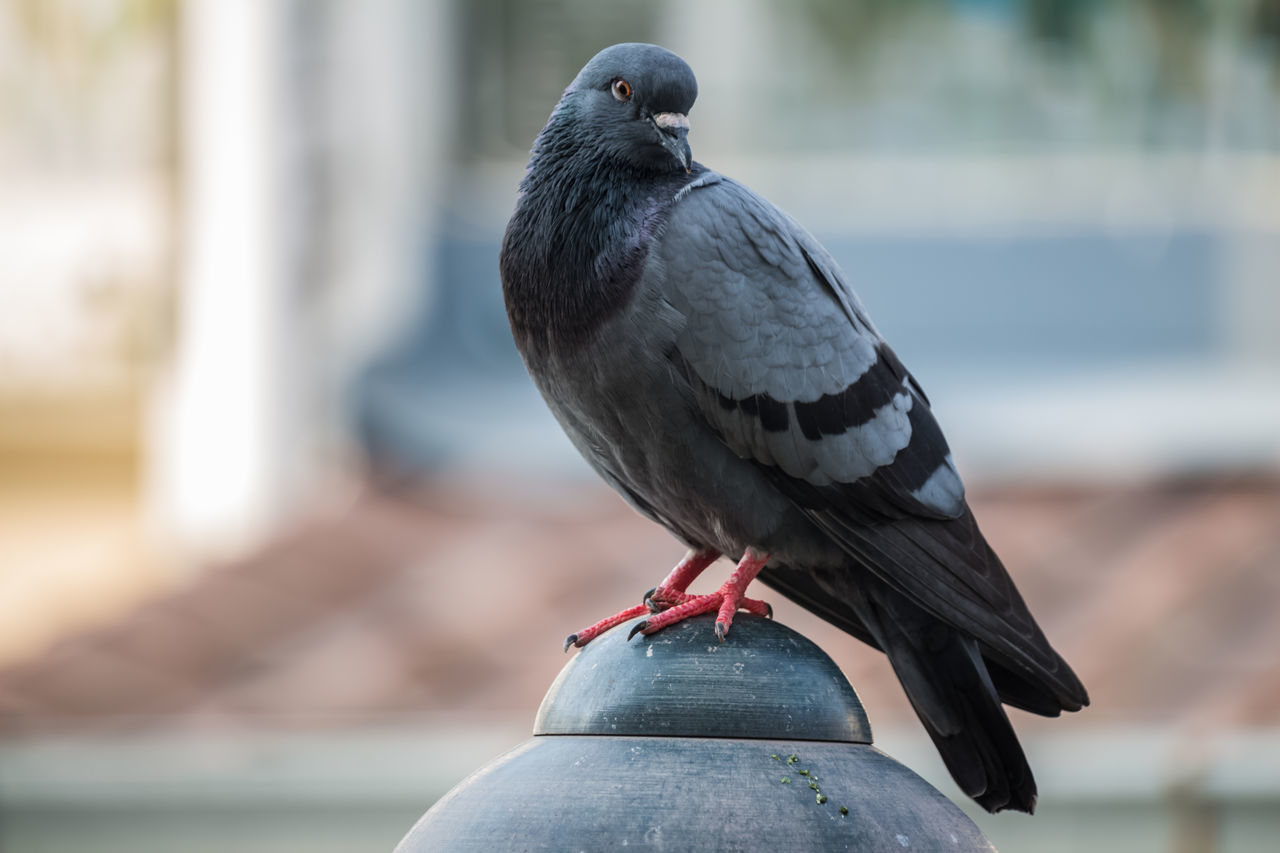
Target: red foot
pixel 728 599
pixel 688 569
pixel 671 604
pixel 586 635
pixel 674 599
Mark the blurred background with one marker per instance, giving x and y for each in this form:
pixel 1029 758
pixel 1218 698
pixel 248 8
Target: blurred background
pixel 288 544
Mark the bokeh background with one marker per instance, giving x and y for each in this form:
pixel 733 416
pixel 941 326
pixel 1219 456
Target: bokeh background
pixel 288 544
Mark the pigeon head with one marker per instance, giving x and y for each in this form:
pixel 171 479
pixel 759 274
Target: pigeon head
pixel 630 106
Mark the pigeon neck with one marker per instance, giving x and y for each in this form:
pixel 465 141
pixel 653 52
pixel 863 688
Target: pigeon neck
pixel 577 243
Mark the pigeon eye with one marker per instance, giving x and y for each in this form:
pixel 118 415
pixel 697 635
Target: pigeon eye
pixel 622 90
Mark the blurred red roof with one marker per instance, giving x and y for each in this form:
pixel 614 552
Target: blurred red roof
pixel 1164 597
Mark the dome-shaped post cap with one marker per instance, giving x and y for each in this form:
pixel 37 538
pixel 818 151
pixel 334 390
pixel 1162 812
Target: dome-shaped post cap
pixel 764 681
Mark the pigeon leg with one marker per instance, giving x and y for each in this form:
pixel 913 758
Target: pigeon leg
pixel 671 591
pixel 726 601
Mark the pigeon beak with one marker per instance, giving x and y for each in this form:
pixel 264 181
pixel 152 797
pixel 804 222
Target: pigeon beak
pixel 673 131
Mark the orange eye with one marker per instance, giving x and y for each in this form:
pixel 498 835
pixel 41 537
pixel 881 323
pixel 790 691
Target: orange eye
pixel 622 90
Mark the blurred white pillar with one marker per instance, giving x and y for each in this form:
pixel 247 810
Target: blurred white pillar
pixel 219 434
pixel 314 141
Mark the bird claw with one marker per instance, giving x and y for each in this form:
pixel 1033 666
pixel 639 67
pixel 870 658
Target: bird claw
pixel 637 628
pixel 571 640
pixel 653 606
pixel 721 630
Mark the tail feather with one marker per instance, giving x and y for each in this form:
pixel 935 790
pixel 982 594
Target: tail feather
pixel 1020 692
pixel 954 684
pixel 947 682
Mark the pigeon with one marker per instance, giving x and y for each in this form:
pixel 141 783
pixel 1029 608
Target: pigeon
pixel 712 364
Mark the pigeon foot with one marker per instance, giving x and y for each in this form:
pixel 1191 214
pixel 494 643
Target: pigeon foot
pixel 656 599
pixel 726 601
pixel 668 603
pixel 586 635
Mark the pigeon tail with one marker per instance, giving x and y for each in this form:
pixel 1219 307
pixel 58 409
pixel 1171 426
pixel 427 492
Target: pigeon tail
pixel 945 677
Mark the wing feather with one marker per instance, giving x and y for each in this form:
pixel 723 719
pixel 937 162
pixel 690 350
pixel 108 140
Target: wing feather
pixel 786 367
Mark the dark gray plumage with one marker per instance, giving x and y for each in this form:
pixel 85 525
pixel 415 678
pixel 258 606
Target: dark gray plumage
pixel 708 358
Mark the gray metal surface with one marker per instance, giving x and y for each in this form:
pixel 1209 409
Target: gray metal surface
pixel 600 793
pixel 765 681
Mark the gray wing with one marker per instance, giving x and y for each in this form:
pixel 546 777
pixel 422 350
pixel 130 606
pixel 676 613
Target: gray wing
pixel 788 369
pixel 786 365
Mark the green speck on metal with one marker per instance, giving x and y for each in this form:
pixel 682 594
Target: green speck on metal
pixel 813 785
pixel 786 780
pixel 792 759
pixel 803 772
pixel 775 757
pixel 844 810
pixel 822 798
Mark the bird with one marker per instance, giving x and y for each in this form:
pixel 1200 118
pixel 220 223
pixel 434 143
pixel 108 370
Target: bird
pixel 711 362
